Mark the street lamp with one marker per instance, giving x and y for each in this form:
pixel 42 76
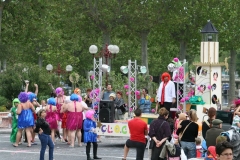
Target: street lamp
pixel 49 68
pixel 69 68
pixel 108 52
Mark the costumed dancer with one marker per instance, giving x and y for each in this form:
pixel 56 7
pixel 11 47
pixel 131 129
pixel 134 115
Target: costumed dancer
pixel 75 118
pixel 33 99
pixel 25 112
pixel 90 135
pixel 62 117
pixel 13 112
pixel 44 131
pixel 51 116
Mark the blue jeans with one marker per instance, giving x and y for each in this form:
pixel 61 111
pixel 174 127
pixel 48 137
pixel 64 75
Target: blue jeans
pixel 189 149
pixel 46 140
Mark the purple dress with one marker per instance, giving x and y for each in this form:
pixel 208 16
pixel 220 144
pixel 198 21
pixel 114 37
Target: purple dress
pixel 75 119
pixel 51 118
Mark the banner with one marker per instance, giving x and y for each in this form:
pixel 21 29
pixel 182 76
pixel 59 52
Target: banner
pixel 113 129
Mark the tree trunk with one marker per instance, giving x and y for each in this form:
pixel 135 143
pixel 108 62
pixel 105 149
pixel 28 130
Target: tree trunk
pixel 4 64
pixel 144 35
pixel 232 69
pixel 1 11
pixel 40 60
pixel 183 50
pixel 4 60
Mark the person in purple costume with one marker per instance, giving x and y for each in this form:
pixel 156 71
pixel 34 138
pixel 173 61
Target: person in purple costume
pixel 25 112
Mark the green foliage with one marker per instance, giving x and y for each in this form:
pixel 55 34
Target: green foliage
pixel 13 80
pixel 62 31
pixel 3 101
pixel 3 109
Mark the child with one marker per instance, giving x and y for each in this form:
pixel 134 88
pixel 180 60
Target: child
pixel 90 135
pixel 180 117
pixel 236 123
pixel 198 142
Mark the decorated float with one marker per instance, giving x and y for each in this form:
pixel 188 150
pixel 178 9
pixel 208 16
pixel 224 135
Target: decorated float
pixel 199 91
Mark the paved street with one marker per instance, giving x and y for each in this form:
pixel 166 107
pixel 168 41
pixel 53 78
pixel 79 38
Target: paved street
pixel 109 149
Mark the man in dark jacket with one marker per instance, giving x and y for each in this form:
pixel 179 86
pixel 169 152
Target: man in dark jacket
pixel 214 132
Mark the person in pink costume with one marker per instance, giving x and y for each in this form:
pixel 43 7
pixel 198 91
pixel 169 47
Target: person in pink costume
pixel 51 116
pixel 75 118
pixel 61 116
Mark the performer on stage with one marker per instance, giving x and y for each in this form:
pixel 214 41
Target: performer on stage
pixel 166 92
pixel 51 116
pixel 90 135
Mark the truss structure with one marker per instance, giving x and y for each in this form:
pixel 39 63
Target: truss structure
pixel 132 83
pixel 182 87
pixel 97 80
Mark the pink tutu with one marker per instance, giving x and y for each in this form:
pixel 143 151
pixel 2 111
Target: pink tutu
pixel 74 120
pixel 51 118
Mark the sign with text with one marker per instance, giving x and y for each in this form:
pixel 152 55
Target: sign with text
pixel 113 129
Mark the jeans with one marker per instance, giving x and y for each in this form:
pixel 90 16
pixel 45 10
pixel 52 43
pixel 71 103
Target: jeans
pixel 189 149
pixel 140 147
pixel 46 140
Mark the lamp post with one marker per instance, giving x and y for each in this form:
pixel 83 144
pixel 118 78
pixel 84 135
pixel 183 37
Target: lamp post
pixel 108 52
pixel 60 71
pixel 49 68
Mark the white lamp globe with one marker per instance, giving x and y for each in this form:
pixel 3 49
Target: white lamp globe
pixel 93 49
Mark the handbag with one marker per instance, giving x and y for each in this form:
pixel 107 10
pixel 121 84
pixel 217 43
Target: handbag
pixel 181 134
pixel 152 142
pixel 123 108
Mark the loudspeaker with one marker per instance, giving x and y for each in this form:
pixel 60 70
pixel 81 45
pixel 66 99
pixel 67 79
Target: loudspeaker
pixel 107 111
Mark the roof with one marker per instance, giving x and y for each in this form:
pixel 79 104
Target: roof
pixel 209 28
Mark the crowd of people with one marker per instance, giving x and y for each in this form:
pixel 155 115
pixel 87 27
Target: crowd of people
pixel 69 115
pixel 182 140
pixel 73 117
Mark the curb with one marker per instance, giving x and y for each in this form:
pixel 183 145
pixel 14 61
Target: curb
pixel 5 131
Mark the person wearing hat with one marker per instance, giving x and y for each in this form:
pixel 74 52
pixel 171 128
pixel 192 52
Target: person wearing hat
pixel 214 132
pixel 112 97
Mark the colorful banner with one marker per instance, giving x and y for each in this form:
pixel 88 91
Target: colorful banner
pixel 113 129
